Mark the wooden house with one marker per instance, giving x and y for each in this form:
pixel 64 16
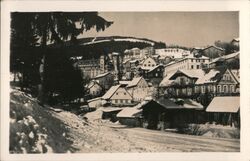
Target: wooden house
pixel 94 89
pixel 152 74
pixel 118 96
pixel 106 80
pixel 219 82
pixel 225 110
pixel 164 113
pixel 213 51
pixel 138 88
pixel 130 116
pixel 183 82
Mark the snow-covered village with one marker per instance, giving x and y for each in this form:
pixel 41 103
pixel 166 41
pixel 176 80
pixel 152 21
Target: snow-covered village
pixel 104 93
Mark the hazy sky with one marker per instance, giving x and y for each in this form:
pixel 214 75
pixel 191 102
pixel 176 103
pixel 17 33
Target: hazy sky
pixel 181 28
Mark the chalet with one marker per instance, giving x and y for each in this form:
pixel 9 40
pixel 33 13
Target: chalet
pixel 94 89
pixel 213 51
pixel 210 51
pixel 118 96
pixel 231 60
pixel 165 113
pixel 219 82
pixel 181 83
pixel 152 74
pixel 138 88
pixel 148 63
pixel 130 116
pixel 106 80
pixel 225 110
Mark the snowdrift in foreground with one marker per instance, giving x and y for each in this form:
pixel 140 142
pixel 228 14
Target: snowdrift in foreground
pixel 33 129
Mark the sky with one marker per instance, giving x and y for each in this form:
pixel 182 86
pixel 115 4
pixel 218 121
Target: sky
pixel 188 29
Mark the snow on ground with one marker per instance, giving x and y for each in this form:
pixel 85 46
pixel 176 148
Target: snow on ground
pixel 37 129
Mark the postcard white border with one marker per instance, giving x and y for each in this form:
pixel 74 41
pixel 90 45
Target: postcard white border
pixel 192 6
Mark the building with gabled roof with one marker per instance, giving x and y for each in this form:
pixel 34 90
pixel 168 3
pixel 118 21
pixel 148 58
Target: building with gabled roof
pixel 211 51
pixel 225 110
pixel 94 89
pixel 106 80
pixel 181 83
pixel 153 74
pixel 231 60
pixel 138 88
pixel 218 81
pixel 118 96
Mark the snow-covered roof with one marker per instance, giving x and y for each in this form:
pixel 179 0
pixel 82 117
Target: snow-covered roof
pixel 155 67
pixel 111 109
pixel 134 82
pixel 195 73
pixel 110 92
pixel 193 57
pixel 101 75
pixel 94 99
pixel 124 82
pixel 133 61
pixel 150 68
pixel 213 47
pixel 236 74
pixel 236 39
pixel 114 53
pixel 191 104
pixel 207 78
pixel 129 112
pixel 166 80
pixel 229 104
pixel 225 57
pixel 168 104
pixel 91 84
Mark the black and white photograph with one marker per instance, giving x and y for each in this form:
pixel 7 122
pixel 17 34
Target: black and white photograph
pixel 124 82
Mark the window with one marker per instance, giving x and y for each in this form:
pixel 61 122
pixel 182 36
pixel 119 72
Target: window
pixel 116 101
pixel 125 93
pixel 126 101
pixel 121 101
pixel 225 89
pixel 192 67
pixel 197 66
pixel 116 93
pixel 218 88
pixel 232 88
pixel 191 60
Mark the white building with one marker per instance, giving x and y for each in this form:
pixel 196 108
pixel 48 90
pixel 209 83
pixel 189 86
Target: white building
pixel 189 62
pixel 138 88
pixel 149 62
pixel 175 53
